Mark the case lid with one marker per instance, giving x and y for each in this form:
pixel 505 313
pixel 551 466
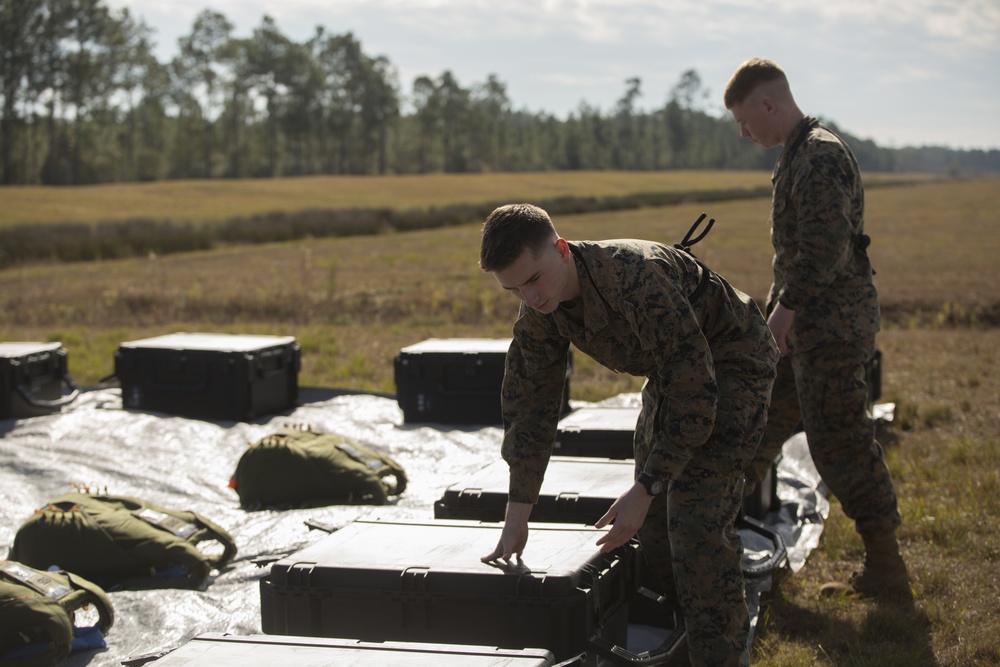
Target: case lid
pixel 210 341
pixel 459 346
pixel 14 350
pixel 220 650
pixel 595 418
pixel 443 557
pixel 565 476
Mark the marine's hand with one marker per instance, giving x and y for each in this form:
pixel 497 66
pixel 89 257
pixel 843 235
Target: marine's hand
pixel 780 323
pixel 628 513
pixel 514 536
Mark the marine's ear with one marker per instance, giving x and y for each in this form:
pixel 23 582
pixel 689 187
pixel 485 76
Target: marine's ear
pixel 562 247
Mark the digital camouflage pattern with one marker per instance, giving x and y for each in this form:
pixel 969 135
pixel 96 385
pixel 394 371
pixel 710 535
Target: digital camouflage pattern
pixel 709 365
pixel 681 534
pixel 821 270
pixel 822 273
pixel 637 319
pixel 825 389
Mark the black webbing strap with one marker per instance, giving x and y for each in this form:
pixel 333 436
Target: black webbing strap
pixel 861 241
pixel 687 242
pixel 685 246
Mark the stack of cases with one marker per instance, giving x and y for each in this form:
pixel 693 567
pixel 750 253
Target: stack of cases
pixel 31 379
pixel 220 650
pixel 455 380
pixel 575 490
pixel 597 431
pixel 409 581
pixel 608 432
pixel 210 376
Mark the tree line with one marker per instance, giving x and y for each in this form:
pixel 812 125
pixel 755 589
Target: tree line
pixel 84 100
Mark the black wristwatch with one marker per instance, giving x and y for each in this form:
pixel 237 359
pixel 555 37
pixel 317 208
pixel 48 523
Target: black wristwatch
pixel 654 485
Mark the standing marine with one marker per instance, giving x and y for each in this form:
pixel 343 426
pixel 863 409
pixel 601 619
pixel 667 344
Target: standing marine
pixel 823 310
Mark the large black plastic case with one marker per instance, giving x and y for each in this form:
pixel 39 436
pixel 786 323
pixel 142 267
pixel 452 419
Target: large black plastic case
pixel 575 490
pixel 603 432
pixel 32 376
pixel 223 650
pixel 455 380
pixel 210 376
pixel 423 582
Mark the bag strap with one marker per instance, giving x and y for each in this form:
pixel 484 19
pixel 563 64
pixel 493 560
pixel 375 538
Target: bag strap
pixel 200 530
pixel 380 465
pixel 96 596
pixel 78 593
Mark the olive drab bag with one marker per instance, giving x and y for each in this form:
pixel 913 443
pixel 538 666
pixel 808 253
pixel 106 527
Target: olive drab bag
pixel 301 467
pixel 37 613
pixel 117 541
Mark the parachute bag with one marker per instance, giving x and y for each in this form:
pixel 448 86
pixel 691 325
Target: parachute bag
pixel 303 468
pixel 122 542
pixel 37 615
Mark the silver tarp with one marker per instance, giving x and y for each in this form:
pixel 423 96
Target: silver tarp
pixel 186 464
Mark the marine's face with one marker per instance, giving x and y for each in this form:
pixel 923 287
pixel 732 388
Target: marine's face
pixel 541 282
pixel 757 121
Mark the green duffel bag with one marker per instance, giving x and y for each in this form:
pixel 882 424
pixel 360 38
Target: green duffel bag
pixel 37 615
pixel 303 468
pixel 122 542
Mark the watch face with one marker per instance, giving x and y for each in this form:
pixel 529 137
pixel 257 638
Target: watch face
pixel 653 485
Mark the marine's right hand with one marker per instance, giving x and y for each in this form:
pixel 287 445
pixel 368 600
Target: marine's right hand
pixel 514 536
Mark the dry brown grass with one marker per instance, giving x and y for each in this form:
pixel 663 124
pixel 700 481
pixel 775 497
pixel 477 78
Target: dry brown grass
pixel 207 201
pixel 353 302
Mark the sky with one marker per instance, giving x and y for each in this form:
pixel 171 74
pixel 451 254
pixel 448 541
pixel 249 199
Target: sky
pixel 898 72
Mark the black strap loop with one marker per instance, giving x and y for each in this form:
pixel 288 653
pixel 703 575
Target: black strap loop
pixel 687 241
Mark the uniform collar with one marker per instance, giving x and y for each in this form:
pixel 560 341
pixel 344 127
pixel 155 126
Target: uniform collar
pixel 596 315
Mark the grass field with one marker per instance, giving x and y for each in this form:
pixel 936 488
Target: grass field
pixel 353 302
pixel 208 201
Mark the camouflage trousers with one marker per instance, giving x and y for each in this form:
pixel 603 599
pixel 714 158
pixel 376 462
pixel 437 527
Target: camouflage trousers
pixel 689 539
pixel 825 389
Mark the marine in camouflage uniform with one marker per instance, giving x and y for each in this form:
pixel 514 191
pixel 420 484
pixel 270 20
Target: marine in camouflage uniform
pixel 654 311
pixel 823 283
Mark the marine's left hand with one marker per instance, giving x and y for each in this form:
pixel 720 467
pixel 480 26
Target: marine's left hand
pixel 628 513
pixel 780 323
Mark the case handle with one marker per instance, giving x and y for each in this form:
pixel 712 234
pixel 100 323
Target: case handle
pixel 662 654
pixel 55 403
pixel 778 556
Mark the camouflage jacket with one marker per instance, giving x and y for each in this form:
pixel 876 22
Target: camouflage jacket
pixel 821 269
pixel 637 318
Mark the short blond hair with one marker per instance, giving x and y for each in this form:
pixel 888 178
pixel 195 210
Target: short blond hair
pixel 749 76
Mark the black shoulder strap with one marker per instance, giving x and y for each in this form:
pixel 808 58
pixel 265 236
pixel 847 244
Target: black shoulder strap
pixel 687 241
pixel 685 246
pixel 861 240
pixel 808 124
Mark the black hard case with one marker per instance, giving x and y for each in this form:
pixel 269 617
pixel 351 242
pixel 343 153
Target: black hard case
pixel 32 376
pixel 575 490
pixel 424 582
pixel 603 432
pixel 608 432
pixel 455 380
pixel 579 491
pixel 223 650
pixel 210 376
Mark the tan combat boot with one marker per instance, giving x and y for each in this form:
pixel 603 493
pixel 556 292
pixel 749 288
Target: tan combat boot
pixel 884 575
